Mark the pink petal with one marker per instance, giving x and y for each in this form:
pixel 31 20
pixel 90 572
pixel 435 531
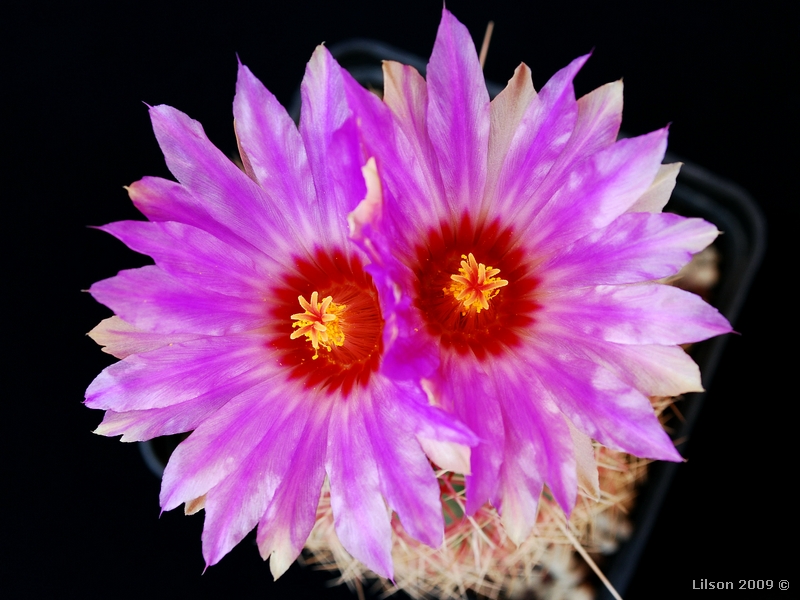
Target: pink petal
pixel 236 504
pixel 360 515
pixel 151 300
pixel 122 339
pixel 329 132
pixel 602 406
pixel 538 449
pixel 458 115
pixel 164 200
pixel 598 191
pixel 636 314
pixel 140 425
pixel 274 149
pixel 290 516
pixel 229 436
pixel 541 137
pixel 228 195
pixel 407 480
pixel 406 95
pixel 196 257
pixel 463 387
pixel 384 137
pixel 179 372
pixel 596 128
pixel 635 247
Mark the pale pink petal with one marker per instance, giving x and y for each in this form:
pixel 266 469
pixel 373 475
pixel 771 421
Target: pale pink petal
pixel 447 455
pixel 657 195
pixel 585 462
pixel 653 370
pixel 122 339
pixel 406 95
pixel 506 112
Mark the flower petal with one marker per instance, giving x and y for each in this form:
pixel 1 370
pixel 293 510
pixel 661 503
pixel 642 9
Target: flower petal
pixel 507 110
pixel 236 504
pixel 197 257
pixel 226 440
pixel 458 114
pixel 657 195
pixel 151 300
pixel 141 425
pixel 541 137
pixel 596 128
pixel 290 516
pixel 270 141
pixel 180 372
pixel 122 339
pixel 635 247
pixel 361 517
pixel 228 195
pixel 407 480
pixel 329 132
pixel 636 314
pixel 463 387
pixel 406 95
pixel 653 370
pixel 602 406
pixel 598 191
pixel 538 449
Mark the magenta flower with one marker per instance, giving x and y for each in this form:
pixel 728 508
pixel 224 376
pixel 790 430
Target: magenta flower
pixel 529 242
pixel 259 330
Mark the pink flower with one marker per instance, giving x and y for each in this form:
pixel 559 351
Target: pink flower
pixel 527 242
pixel 259 330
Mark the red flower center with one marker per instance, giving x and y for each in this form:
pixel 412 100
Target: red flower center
pixel 467 303
pixel 336 341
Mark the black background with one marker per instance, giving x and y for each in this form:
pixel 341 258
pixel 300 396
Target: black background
pixel 81 511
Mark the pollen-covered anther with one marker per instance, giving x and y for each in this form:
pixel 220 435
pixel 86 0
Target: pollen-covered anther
pixel 321 322
pixel 475 284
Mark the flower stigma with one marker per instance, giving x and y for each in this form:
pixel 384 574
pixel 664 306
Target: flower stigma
pixel 320 323
pixel 475 284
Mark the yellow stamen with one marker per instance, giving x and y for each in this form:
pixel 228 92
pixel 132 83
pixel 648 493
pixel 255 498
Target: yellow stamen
pixel 321 322
pixel 475 284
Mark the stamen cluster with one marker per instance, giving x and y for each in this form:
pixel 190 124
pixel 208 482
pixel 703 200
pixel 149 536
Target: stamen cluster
pixel 320 322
